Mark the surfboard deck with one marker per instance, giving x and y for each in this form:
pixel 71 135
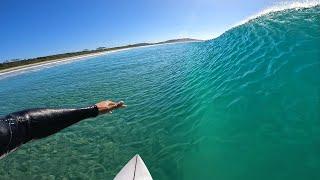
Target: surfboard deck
pixel 135 169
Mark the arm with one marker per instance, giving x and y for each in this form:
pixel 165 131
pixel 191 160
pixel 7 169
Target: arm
pixel 39 123
pixel 20 127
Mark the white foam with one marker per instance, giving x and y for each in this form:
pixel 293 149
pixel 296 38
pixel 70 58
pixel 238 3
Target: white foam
pixel 281 6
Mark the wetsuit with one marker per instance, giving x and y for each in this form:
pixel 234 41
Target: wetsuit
pixel 20 127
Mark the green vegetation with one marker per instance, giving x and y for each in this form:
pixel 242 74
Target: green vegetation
pixel 18 62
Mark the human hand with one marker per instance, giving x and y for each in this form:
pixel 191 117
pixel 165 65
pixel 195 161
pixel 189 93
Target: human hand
pixel 109 106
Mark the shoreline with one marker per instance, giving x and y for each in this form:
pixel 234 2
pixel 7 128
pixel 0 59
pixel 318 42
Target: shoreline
pixel 58 61
pixel 69 59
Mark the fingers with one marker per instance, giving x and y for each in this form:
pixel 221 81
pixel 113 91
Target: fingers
pixel 114 105
pixel 121 104
pixel 108 106
pixel 118 105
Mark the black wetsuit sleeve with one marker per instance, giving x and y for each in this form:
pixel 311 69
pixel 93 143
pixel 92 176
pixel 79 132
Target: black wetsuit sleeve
pixel 20 127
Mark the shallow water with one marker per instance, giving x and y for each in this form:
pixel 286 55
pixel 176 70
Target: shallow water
pixel 243 106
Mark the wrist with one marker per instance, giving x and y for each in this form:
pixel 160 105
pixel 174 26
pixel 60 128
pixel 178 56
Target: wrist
pixel 96 109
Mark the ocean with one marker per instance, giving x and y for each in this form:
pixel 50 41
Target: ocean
pixel 245 105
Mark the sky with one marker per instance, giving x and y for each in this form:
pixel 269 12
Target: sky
pixel 36 28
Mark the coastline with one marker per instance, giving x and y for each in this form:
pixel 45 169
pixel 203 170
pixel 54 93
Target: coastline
pixel 57 61
pixel 68 59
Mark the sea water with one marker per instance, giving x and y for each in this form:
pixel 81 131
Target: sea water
pixel 245 105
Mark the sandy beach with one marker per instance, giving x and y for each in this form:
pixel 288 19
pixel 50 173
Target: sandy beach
pixel 64 60
pixel 57 61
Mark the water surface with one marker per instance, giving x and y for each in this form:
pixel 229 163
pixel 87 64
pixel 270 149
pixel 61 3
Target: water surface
pixel 245 105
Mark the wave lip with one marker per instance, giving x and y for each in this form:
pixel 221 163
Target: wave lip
pixel 280 6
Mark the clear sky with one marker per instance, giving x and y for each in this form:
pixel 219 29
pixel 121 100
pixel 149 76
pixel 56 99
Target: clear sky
pixel 31 28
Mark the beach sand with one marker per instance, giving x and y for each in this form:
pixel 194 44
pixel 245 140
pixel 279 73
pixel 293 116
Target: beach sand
pixel 53 62
pixel 68 59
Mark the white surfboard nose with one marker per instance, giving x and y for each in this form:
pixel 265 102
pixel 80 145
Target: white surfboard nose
pixel 135 169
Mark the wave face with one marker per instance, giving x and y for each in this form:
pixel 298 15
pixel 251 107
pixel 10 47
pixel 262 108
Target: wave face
pixel 245 105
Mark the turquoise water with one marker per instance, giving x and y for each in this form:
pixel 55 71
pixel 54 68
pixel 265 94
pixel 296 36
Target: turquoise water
pixel 245 105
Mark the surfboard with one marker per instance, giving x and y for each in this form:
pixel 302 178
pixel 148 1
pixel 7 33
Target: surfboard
pixel 135 169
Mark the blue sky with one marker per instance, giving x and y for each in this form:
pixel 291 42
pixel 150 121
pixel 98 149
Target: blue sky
pixel 42 27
